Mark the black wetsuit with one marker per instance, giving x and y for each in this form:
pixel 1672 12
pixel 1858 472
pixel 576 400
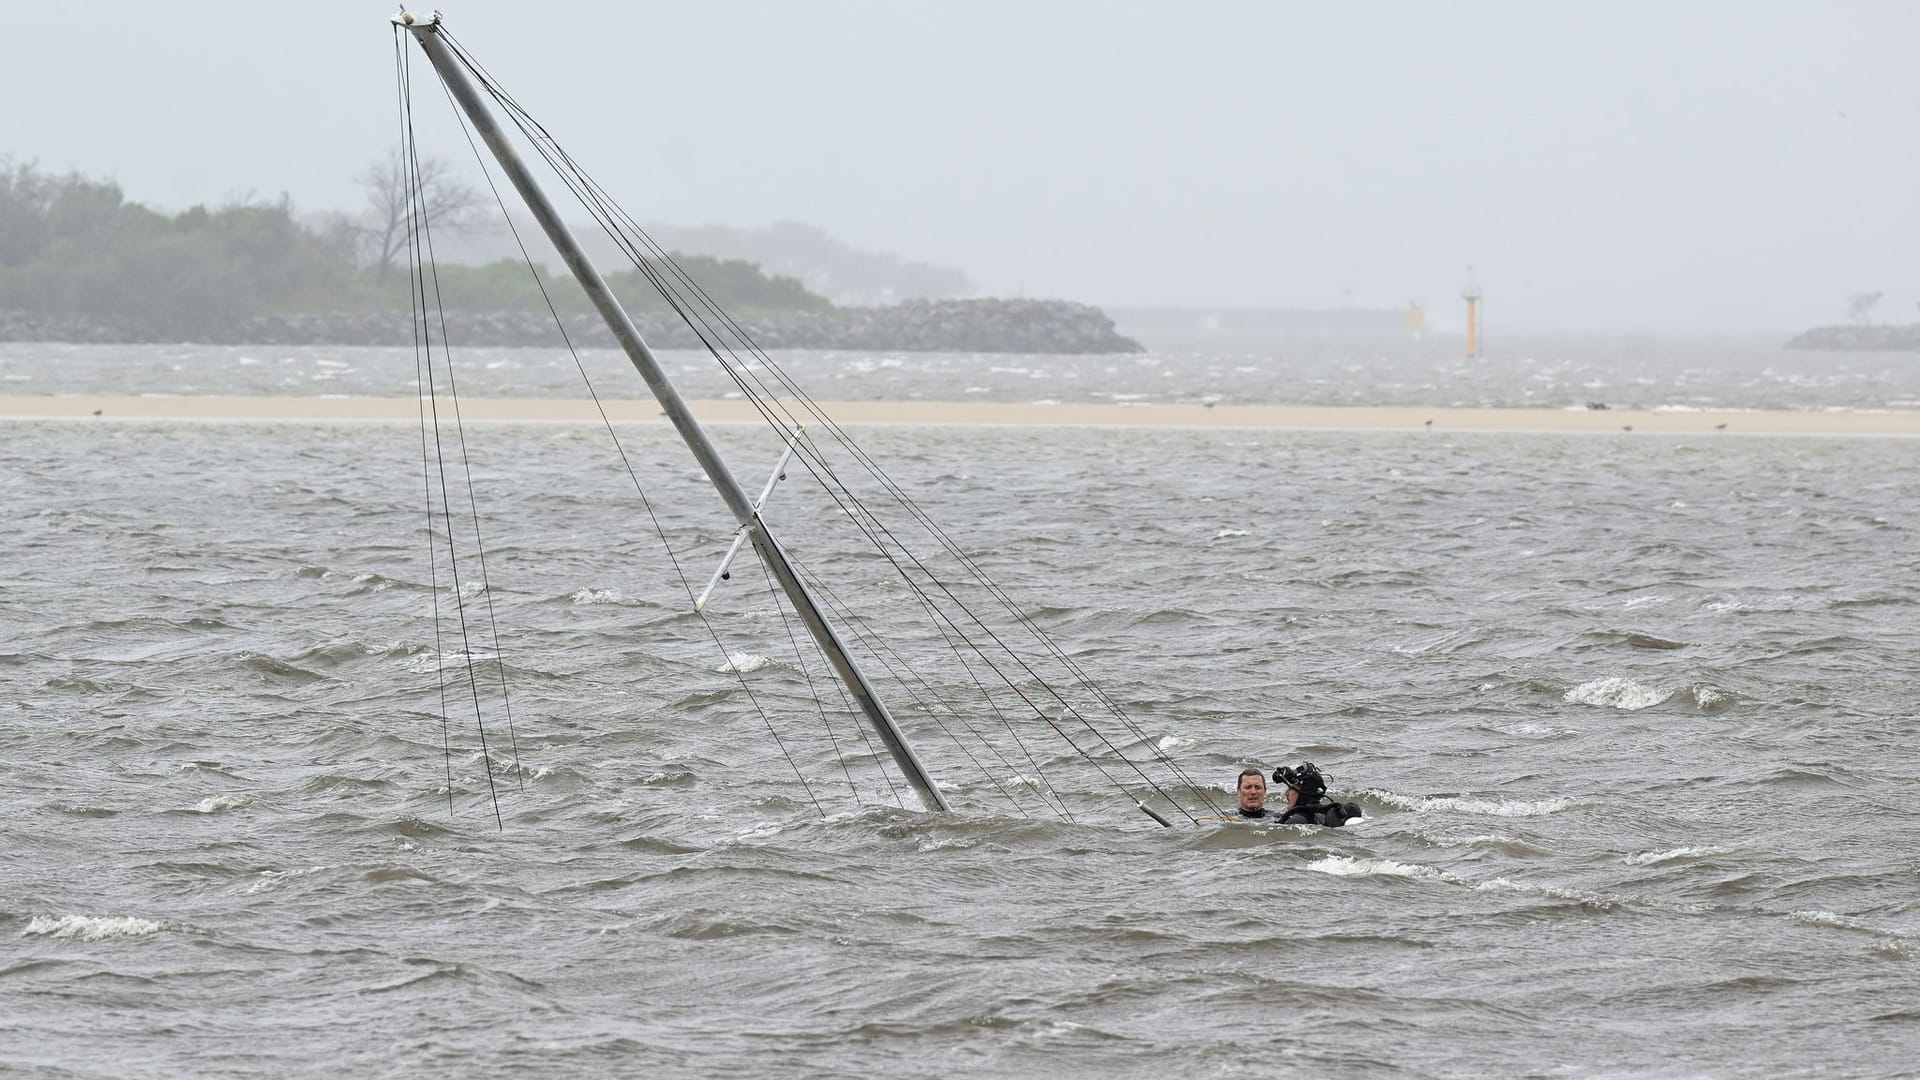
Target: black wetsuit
pixel 1331 814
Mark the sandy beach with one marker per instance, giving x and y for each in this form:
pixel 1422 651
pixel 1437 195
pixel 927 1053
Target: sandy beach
pixel 1354 418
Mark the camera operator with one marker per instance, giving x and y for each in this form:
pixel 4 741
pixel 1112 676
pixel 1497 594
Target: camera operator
pixel 1307 803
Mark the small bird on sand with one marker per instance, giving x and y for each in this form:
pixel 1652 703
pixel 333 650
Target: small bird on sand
pixel 1626 427
pixel 1720 426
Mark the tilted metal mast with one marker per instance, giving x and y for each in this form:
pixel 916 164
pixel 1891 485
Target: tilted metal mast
pixel 426 30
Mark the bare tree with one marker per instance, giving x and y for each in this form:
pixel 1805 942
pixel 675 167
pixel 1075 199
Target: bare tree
pixel 398 197
pixel 1860 307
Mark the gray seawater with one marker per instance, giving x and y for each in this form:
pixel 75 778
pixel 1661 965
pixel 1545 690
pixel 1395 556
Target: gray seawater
pixel 1632 720
pixel 1625 372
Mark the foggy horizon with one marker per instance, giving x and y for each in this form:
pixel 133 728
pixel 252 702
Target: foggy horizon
pixel 1717 167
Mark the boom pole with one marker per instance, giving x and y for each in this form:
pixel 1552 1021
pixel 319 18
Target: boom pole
pixel 452 72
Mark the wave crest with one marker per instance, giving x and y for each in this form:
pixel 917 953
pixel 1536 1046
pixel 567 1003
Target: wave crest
pixel 1468 804
pixel 1614 692
pixel 91 927
pixel 1344 866
pixel 598 596
pixel 1654 858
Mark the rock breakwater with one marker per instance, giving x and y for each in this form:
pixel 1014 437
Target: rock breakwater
pixel 1000 326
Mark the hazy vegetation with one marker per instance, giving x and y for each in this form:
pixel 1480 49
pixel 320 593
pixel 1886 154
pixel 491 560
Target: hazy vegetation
pixel 824 265
pixel 71 245
pixel 74 246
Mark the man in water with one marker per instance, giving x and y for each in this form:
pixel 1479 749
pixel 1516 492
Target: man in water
pixel 1253 794
pixel 1306 798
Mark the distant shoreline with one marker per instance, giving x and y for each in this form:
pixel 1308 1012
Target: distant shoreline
pixel 990 325
pixel 1886 338
pixel 1624 422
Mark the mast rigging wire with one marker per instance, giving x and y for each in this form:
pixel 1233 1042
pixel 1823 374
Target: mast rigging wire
pixel 626 462
pixel 417 289
pixel 628 235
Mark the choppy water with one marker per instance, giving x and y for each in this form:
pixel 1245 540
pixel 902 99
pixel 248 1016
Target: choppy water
pixel 1632 720
pixel 1551 373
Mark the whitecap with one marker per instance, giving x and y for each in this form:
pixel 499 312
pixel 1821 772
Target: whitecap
pixel 1507 885
pixel 271 878
pixel 1654 858
pixel 218 803
pixel 1469 805
pixel 1708 698
pixel 598 596
pixel 744 663
pixel 1614 692
pixel 1228 534
pixel 429 662
pixel 91 928
pixel 1343 866
pixel 1482 839
pixel 1817 917
pixel 757 832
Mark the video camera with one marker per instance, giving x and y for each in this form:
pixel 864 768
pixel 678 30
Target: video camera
pixel 1306 778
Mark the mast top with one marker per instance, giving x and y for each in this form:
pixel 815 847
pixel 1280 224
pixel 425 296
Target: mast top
pixel 414 21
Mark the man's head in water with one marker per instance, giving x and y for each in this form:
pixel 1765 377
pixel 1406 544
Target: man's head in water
pixel 1253 791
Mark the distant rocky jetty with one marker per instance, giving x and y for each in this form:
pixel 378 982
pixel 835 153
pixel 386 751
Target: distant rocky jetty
pixel 1904 338
pixel 997 326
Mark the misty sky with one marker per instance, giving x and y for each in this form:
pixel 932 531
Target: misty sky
pixel 1609 165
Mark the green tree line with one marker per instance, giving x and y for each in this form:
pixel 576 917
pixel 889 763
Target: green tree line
pixel 71 245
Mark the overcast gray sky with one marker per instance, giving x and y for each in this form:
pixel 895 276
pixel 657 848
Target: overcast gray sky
pixel 1609 165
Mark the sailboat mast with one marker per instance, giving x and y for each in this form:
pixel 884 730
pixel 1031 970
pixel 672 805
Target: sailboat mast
pixel 427 32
